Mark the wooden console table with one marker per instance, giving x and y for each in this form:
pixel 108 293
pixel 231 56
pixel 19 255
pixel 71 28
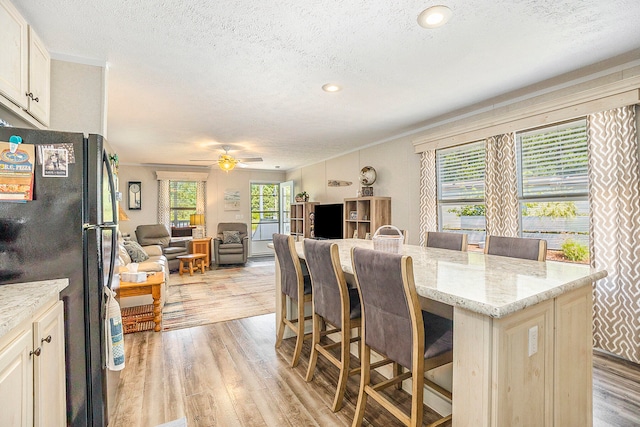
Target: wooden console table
pixel 153 286
pixel 202 246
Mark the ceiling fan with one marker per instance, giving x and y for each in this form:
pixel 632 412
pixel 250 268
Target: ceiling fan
pixel 227 162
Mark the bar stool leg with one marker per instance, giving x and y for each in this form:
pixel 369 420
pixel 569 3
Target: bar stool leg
pixel 181 269
pixel 283 315
pixel 345 354
pixel 315 340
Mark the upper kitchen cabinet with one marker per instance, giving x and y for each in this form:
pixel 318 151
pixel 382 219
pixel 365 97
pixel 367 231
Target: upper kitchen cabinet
pixel 25 69
pixel 39 79
pixel 14 50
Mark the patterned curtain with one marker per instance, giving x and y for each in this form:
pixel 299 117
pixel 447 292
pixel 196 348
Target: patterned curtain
pixel 614 228
pixel 501 186
pixel 201 202
pixel 164 214
pixel 428 194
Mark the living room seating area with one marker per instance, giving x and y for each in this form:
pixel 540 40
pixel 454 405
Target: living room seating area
pixel 157 234
pixel 231 245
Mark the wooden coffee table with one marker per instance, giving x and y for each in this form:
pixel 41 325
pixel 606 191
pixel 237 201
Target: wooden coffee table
pixel 153 286
pixel 198 259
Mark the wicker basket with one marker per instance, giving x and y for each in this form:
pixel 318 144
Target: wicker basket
pixel 388 242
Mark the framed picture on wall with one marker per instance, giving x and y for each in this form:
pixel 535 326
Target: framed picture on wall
pixel 231 200
pixel 135 197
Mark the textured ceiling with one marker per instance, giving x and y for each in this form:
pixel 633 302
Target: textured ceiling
pixel 186 77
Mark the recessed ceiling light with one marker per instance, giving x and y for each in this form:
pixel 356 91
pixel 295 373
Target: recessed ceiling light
pixel 331 87
pixel 434 16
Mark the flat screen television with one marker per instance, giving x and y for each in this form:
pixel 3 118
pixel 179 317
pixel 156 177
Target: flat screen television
pixel 328 221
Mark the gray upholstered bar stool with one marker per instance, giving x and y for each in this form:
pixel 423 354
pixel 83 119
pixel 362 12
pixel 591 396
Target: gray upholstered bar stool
pixel 335 304
pixel 516 247
pixel 297 286
pixel 394 326
pixel 443 240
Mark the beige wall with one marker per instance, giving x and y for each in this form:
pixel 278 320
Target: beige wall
pixel 398 177
pixel 78 97
pixel 218 182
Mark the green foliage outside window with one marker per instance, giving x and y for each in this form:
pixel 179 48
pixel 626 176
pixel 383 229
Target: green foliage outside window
pixel 551 209
pixel 469 210
pixel 541 209
pixel 265 204
pixel 575 251
pixel 182 200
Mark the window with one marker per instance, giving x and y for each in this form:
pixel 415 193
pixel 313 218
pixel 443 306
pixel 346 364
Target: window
pixel 182 202
pixel 460 178
pixel 265 211
pixel 554 206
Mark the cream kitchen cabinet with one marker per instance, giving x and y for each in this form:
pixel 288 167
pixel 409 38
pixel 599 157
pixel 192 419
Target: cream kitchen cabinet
pixel 25 69
pixel 32 370
pixel 14 48
pixel 39 93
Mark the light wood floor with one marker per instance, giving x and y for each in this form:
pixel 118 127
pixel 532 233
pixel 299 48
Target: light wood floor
pixel 230 374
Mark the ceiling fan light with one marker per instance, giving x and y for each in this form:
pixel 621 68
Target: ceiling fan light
pixel 434 16
pixel 227 163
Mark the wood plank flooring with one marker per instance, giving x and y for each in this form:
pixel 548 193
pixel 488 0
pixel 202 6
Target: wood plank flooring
pixel 616 392
pixel 230 374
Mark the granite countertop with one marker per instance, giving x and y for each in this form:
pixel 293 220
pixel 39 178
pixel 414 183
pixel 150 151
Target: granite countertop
pixel 21 300
pixel 491 285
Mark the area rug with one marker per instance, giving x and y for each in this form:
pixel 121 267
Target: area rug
pixel 222 294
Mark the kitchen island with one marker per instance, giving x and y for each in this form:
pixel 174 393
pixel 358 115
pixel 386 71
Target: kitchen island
pixel 522 333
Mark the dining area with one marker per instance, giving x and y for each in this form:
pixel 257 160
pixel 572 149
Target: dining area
pixel 510 332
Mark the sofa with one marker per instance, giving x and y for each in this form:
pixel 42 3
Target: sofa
pixel 157 234
pixel 231 245
pixel 156 262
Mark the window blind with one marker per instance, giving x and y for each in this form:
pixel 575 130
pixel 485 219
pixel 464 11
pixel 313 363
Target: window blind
pixel 461 172
pixel 553 161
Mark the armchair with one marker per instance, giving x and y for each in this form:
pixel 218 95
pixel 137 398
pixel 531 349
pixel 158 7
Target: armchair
pixel 157 234
pixel 234 251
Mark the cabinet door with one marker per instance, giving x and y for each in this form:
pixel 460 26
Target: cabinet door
pixel 49 369
pixel 16 382
pixel 39 79
pixel 13 45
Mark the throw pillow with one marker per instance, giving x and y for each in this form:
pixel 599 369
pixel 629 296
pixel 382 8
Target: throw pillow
pixel 135 251
pixel 231 237
pixel 123 254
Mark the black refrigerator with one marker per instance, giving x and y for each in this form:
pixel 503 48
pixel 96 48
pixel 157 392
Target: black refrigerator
pixel 68 231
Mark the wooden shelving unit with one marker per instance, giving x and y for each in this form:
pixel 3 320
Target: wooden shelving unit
pixel 370 214
pixel 301 223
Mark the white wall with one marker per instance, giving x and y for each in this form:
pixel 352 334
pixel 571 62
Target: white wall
pixel 218 182
pixel 398 177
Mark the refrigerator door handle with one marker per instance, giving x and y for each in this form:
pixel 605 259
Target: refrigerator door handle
pixel 114 246
pixel 112 187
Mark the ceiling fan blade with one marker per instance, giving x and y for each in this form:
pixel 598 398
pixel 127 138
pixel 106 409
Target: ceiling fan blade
pixel 203 160
pixel 250 159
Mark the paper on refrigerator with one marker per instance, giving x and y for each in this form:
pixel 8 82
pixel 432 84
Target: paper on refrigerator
pixel 16 172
